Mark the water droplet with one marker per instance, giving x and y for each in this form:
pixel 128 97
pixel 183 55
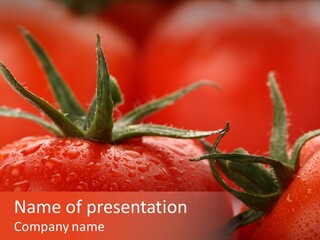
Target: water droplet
pixel 132 155
pixel 95 184
pixel 143 168
pixel 113 187
pixel 72 153
pixel 289 199
pixel 128 186
pixel 142 180
pixel 130 164
pixel 309 190
pixel 18 168
pixel 78 143
pixel 72 176
pixel 56 178
pixel 31 149
pixel 51 162
pixel 82 186
pixel 132 173
pixel 115 173
pixel 155 161
pixel 94 166
pixel 162 175
pixel 102 179
pixel 21 186
pixel 175 170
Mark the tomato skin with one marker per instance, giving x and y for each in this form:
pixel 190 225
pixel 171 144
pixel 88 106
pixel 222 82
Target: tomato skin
pixel 296 214
pixel 69 164
pixel 236 46
pixel 137 18
pixel 70 43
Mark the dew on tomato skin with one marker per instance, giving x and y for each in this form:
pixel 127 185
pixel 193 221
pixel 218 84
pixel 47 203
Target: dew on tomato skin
pixel 132 154
pixel 72 153
pixel 21 186
pixel 115 173
pixel 72 176
pixel 82 186
pixel 102 179
pixel 130 165
pixel 143 168
pixel 56 178
pixel 175 170
pixel 94 166
pixel 18 168
pixel 31 149
pixel 113 187
pixel 95 184
pixel 142 180
pixel 78 143
pixel 162 175
pixel 132 173
pixel 51 162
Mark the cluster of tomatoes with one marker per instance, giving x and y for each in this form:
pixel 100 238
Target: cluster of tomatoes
pixel 153 48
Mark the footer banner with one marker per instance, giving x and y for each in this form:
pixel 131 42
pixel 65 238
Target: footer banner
pixel 112 215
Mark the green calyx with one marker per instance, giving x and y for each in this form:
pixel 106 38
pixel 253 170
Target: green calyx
pixel 260 180
pixel 97 124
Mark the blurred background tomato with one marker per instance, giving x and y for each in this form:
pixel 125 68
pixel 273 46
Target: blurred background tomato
pixel 236 44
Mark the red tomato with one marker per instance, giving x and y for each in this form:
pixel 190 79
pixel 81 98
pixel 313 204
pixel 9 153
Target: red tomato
pixel 297 213
pixel 70 42
pixel 71 164
pixel 137 18
pixel 236 45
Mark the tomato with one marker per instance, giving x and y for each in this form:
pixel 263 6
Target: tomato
pixel 70 42
pixel 296 214
pixel 236 45
pixel 71 164
pixel 137 18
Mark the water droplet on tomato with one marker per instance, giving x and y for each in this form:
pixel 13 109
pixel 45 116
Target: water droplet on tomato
pixel 130 165
pixel 31 149
pixel 175 170
pixel 51 162
pixel 95 184
pixel 131 155
pixel 132 173
pixel 143 168
pixel 72 176
pixel 102 179
pixel 21 186
pixel 56 178
pixel 82 186
pixel 162 175
pixel 113 187
pixel 72 154
pixel 78 143
pixel 127 186
pixel 18 168
pixel 115 173
pixel 94 166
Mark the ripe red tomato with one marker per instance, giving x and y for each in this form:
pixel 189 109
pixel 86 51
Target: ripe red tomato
pixel 72 164
pixel 69 40
pixel 296 214
pixel 137 18
pixel 236 45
